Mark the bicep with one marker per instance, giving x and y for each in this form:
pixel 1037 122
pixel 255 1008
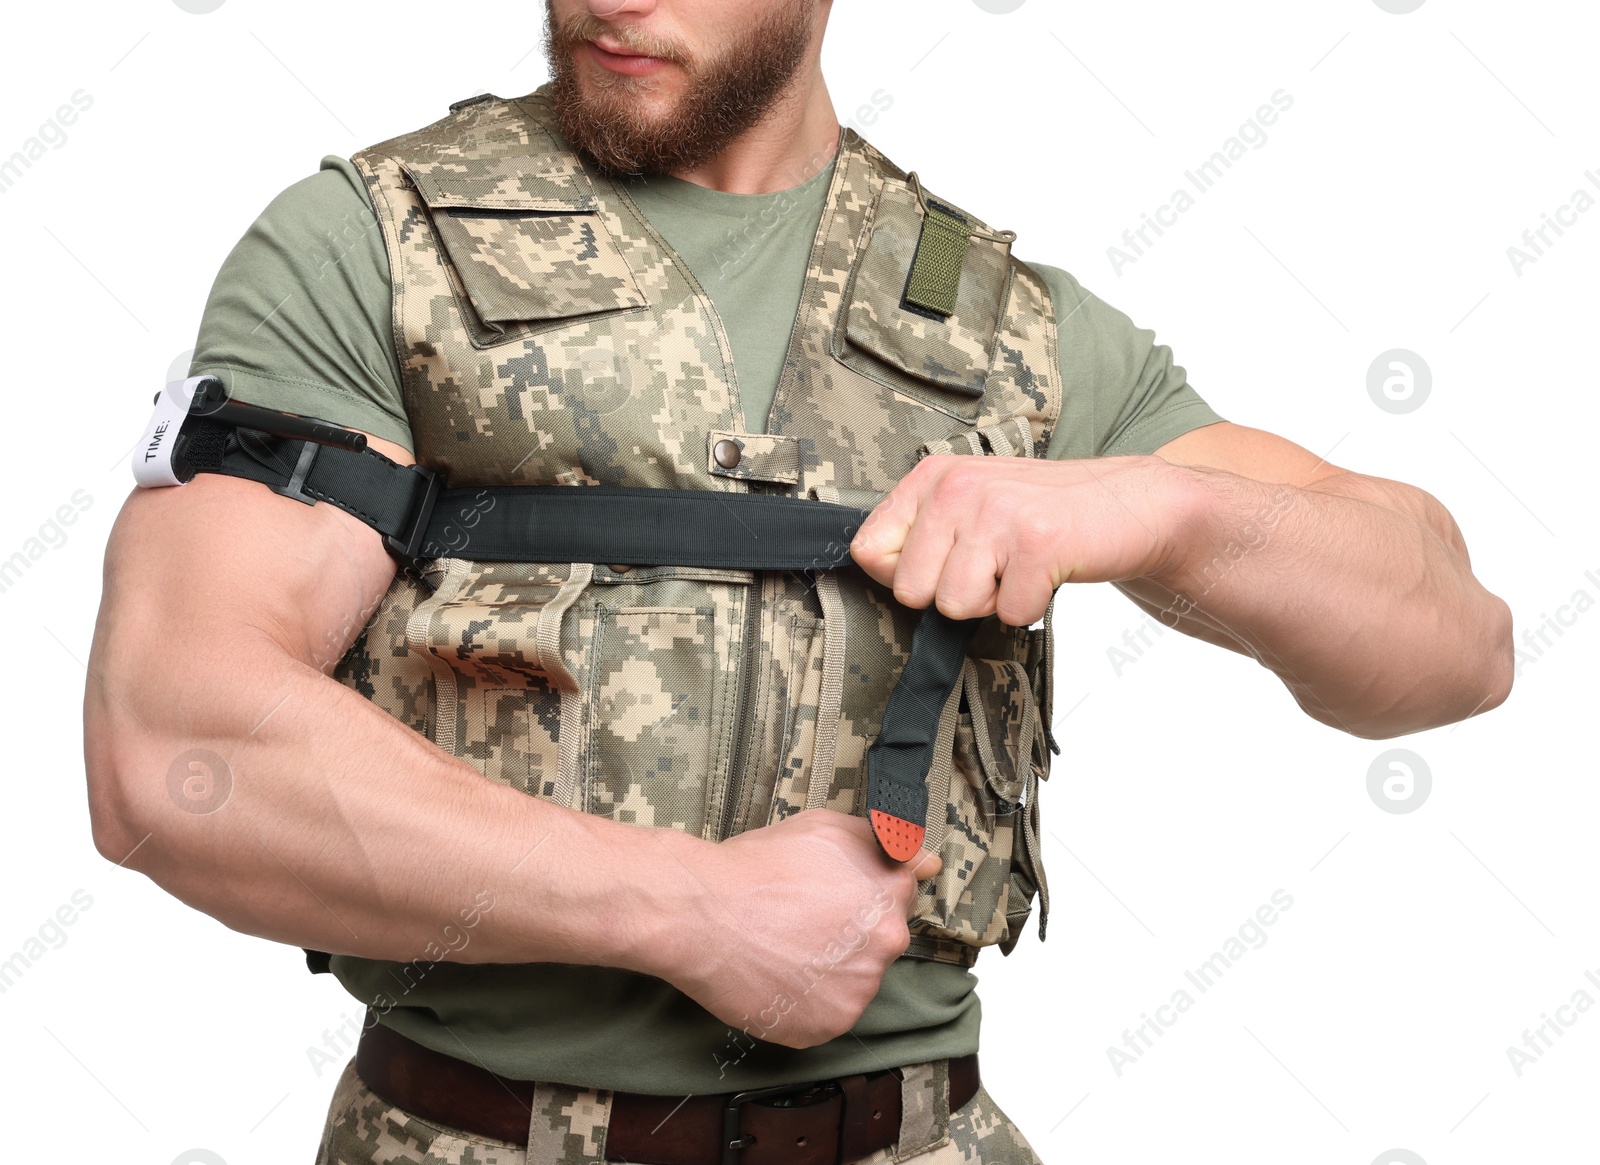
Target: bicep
pixel 222 558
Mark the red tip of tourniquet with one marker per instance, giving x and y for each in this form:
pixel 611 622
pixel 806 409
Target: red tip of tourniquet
pixel 900 839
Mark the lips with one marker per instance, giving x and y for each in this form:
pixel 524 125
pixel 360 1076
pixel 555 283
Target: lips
pixel 620 59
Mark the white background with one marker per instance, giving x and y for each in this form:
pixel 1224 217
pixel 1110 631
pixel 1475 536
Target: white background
pixel 1377 216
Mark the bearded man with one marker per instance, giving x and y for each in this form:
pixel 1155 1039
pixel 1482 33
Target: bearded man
pixel 601 845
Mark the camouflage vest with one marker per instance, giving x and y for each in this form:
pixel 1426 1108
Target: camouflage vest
pixel 548 335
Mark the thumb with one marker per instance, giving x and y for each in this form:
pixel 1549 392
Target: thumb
pixel 926 865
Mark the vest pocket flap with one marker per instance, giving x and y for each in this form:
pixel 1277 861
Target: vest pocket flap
pixel 532 182
pixel 522 255
pixel 952 351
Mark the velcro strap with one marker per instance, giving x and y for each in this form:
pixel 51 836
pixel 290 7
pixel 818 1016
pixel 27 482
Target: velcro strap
pixel 368 485
pixel 941 254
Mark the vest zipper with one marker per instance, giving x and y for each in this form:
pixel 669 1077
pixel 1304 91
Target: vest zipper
pixel 744 721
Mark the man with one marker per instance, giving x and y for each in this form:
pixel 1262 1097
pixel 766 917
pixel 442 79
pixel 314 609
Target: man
pixel 691 902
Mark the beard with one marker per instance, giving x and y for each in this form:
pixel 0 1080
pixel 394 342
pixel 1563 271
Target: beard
pixel 607 116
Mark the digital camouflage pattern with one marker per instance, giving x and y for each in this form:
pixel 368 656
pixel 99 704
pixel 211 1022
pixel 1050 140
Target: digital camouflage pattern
pixel 548 335
pixel 567 1126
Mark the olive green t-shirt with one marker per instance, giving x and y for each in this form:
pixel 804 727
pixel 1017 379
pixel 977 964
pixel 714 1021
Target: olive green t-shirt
pixel 299 319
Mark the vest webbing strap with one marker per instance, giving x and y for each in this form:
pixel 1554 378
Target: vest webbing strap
pixel 640 527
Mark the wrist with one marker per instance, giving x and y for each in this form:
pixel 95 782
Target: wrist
pixel 1189 503
pixel 661 929
pixel 1218 518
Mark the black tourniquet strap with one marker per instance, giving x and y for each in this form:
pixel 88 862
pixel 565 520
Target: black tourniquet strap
pixel 900 759
pixel 390 498
pixel 640 527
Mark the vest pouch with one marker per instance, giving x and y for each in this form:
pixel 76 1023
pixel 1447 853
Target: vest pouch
pixel 595 687
pixel 522 253
pixel 662 686
pixel 941 362
pixel 984 890
pixel 496 703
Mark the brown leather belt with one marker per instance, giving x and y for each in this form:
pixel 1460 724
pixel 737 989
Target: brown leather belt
pixel 826 1123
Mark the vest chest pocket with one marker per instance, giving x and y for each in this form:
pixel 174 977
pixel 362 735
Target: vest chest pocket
pixel 941 361
pixel 521 253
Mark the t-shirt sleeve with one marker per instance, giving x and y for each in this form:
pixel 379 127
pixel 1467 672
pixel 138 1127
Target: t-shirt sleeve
pixel 299 318
pixel 1122 393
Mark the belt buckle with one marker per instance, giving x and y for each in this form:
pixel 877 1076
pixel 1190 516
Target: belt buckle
pixel 732 1140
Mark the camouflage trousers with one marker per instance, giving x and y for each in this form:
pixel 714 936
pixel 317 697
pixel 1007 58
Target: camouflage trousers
pixel 567 1126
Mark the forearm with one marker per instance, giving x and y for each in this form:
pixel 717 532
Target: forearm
pixel 1357 592
pixel 347 832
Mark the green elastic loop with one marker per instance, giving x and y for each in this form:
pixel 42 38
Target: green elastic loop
pixel 936 270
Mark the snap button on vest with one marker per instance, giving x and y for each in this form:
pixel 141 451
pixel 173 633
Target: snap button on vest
pixel 727 453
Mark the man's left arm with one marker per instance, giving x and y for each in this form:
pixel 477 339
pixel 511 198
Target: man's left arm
pixel 1356 591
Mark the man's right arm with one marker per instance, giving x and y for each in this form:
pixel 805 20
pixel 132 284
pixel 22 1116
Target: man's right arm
pixel 225 604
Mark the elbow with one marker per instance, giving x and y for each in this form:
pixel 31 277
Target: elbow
pixel 1498 667
pixel 113 822
pixel 1474 680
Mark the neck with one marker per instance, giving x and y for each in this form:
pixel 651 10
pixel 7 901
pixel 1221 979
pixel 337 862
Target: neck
pixel 796 139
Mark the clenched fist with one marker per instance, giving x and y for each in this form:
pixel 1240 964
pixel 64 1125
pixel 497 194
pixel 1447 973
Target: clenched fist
pixel 795 927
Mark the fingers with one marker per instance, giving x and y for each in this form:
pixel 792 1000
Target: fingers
pixel 1023 596
pixel 968 580
pixel 930 541
pixel 921 561
pixel 926 865
pixel 878 544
